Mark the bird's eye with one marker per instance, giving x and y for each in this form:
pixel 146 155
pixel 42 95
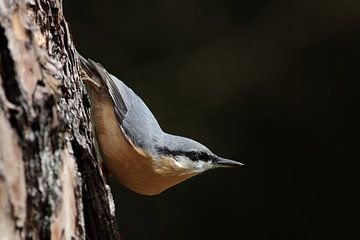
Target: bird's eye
pixel 203 156
pixel 197 156
pixel 193 155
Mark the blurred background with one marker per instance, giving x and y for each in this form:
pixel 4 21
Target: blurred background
pixel 273 84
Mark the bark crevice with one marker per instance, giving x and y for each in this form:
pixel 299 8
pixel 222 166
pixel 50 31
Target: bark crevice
pixel 7 70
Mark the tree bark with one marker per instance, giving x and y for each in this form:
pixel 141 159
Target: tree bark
pixel 51 183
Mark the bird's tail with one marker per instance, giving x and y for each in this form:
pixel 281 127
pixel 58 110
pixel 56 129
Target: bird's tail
pixel 99 79
pixel 92 73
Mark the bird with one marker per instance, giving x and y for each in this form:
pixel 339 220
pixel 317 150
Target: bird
pixel 133 146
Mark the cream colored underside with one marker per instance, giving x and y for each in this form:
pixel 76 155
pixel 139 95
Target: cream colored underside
pixel 130 165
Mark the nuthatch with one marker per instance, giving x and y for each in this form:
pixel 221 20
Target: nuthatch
pixel 132 144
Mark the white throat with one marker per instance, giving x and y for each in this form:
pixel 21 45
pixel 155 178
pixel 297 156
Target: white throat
pixel 192 166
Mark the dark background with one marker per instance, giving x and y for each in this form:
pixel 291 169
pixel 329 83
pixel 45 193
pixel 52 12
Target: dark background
pixel 273 84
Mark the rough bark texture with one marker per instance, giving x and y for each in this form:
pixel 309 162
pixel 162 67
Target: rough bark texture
pixel 51 184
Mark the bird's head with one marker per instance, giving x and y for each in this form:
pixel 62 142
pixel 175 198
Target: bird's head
pixel 192 156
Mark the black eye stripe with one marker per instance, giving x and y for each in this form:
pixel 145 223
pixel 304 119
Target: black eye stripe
pixel 196 156
pixel 193 155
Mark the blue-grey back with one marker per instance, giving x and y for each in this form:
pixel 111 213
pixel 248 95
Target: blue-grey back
pixel 141 126
pixel 139 123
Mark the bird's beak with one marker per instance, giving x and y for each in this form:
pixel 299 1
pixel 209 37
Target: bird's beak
pixel 223 162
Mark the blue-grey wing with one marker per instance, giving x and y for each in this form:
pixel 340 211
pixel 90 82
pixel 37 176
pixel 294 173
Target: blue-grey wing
pixel 140 124
pixel 134 117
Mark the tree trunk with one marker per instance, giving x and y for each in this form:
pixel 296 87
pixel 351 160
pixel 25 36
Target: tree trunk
pixel 51 184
